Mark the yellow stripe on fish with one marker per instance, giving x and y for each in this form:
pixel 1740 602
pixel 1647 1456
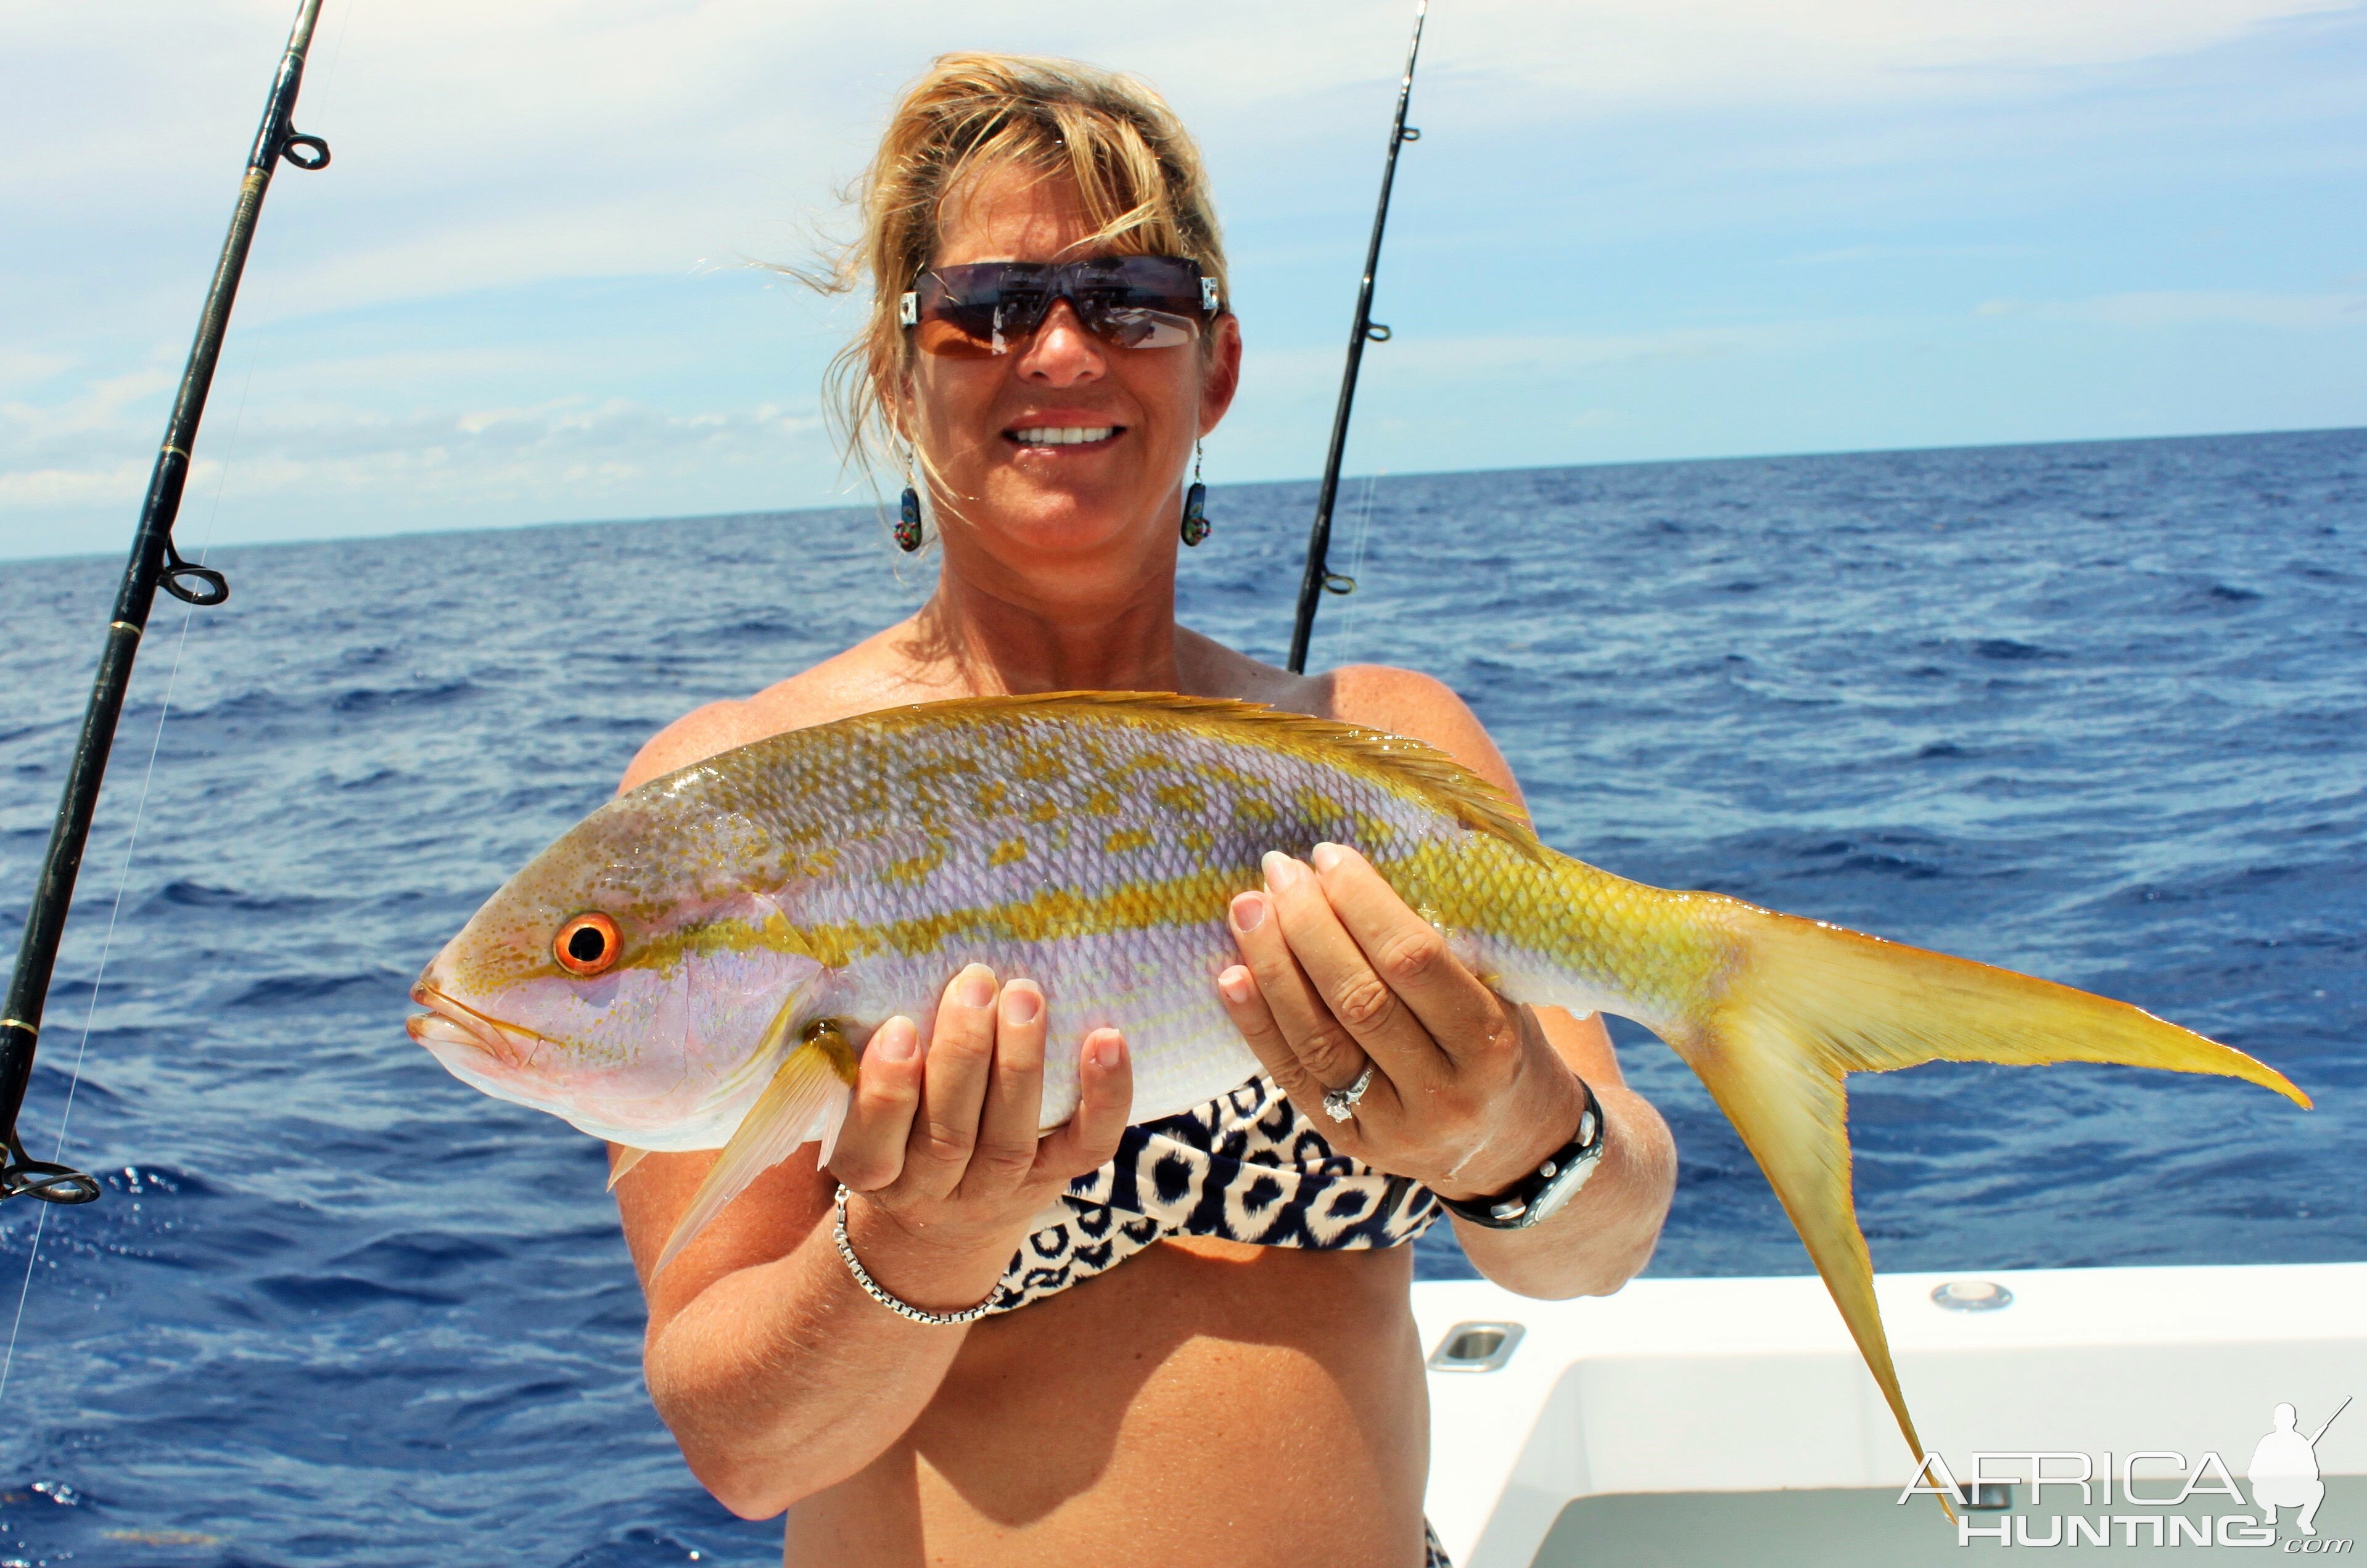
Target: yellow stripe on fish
pixel 773 903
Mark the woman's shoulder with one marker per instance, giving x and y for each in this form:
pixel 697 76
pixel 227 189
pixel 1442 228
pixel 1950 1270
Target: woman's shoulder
pixel 1419 707
pixel 857 681
pixel 1377 696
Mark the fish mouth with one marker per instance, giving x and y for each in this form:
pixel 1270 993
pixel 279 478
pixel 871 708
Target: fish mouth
pixel 452 1021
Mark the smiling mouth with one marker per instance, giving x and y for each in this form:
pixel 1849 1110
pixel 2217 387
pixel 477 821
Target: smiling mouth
pixel 1039 436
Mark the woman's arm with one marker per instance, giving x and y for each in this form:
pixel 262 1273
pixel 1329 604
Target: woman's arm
pixel 1338 971
pixel 1605 1236
pixel 777 1374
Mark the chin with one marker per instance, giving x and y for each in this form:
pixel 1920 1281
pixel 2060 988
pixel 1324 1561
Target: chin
pixel 1069 529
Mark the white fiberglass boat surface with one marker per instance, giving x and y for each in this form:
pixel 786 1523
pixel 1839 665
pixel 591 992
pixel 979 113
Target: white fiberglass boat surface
pixel 1709 1422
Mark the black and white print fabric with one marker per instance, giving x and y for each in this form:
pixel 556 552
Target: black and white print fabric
pixel 1246 1167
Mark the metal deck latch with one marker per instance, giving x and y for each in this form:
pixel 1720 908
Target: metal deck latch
pixel 1971 1295
pixel 1476 1347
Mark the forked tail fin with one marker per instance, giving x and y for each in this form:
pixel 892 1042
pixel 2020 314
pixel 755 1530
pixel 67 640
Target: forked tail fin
pixel 1809 1002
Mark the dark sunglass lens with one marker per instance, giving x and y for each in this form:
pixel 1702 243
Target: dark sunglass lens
pixel 1160 283
pixel 1131 327
pixel 952 340
pixel 952 320
pixel 987 308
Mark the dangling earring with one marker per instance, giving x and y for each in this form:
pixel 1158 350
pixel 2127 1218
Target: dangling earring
pixel 1196 504
pixel 908 521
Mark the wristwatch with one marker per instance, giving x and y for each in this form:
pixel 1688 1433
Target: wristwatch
pixel 1533 1200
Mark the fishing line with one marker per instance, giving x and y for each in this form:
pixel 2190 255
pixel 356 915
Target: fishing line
pixel 151 564
pixel 337 52
pixel 1352 615
pixel 1319 579
pixel 123 881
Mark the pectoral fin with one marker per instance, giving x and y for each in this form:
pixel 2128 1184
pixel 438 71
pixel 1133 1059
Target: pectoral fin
pixel 626 1157
pixel 806 1097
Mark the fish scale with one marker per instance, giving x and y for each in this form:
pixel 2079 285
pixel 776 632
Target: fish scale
pixel 1104 874
pixel 754 917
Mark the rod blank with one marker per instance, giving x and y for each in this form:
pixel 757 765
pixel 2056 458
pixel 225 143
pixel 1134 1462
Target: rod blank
pixel 153 563
pixel 1319 577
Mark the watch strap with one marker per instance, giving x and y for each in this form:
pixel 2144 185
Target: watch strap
pixel 1530 1199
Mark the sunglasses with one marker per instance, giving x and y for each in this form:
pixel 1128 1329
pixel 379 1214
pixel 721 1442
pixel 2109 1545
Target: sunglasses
pixel 987 308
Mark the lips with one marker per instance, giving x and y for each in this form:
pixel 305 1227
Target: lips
pixel 1055 430
pixel 453 1022
pixel 1064 435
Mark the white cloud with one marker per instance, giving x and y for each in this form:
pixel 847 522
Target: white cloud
pixel 21 370
pixel 99 407
pixel 570 457
pixel 1846 254
pixel 2170 307
pixel 481 146
pixel 30 489
pixel 1806 50
pixel 1512 353
pixel 2182 308
pixel 486 148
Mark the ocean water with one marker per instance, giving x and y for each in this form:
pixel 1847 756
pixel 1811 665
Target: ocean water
pixel 2095 711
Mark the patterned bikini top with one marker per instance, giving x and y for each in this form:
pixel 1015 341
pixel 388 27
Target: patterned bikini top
pixel 1246 1167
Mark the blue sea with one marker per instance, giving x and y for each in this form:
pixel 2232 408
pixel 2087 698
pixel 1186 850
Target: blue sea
pixel 2094 711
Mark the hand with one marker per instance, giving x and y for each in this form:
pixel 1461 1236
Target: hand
pixel 1468 1095
pixel 943 1145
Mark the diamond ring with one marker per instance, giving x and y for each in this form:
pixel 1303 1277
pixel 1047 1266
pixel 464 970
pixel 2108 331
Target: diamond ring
pixel 1339 1104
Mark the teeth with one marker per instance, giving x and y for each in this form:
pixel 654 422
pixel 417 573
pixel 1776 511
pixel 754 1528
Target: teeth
pixel 1063 436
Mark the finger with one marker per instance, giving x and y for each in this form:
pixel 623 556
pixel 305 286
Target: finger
pixel 1412 959
pixel 1015 1089
pixel 1245 1005
pixel 1089 1139
pixel 1326 1052
pixel 870 1153
pixel 1343 978
pixel 953 1086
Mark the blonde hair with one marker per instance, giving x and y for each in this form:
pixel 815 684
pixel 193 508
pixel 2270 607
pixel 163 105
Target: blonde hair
pixel 1135 170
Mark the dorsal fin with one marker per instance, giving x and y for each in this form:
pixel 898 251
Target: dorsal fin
pixel 1424 770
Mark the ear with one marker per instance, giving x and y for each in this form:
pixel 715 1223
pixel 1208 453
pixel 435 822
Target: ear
pixel 1222 377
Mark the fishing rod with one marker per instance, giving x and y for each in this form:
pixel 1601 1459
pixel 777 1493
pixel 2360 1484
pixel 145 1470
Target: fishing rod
pixel 1320 578
pixel 153 563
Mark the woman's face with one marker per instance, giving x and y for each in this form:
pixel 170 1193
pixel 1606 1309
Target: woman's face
pixel 1111 501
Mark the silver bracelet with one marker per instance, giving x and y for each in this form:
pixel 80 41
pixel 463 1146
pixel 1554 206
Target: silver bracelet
pixel 871 1286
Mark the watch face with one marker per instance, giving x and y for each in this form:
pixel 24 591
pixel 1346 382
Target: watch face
pixel 1571 1173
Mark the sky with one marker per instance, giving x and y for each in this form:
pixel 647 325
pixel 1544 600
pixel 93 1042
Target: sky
pixel 530 287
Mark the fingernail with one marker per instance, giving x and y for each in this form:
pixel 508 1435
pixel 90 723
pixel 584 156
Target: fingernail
pixel 1326 856
pixel 1281 870
pixel 1020 1005
pixel 897 1039
pixel 1236 985
pixel 1248 912
pixel 1107 1049
pixel 976 986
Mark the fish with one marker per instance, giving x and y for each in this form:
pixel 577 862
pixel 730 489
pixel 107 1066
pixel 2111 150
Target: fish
pixel 697 963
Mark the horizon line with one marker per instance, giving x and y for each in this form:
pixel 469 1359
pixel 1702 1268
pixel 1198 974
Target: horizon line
pixel 6 560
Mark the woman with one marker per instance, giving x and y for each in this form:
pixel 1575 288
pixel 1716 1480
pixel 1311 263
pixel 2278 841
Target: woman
pixel 1184 1396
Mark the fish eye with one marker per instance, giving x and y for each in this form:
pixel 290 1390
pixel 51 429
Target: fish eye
pixel 588 945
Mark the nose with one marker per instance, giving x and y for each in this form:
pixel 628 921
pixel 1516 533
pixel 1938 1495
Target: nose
pixel 1062 353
